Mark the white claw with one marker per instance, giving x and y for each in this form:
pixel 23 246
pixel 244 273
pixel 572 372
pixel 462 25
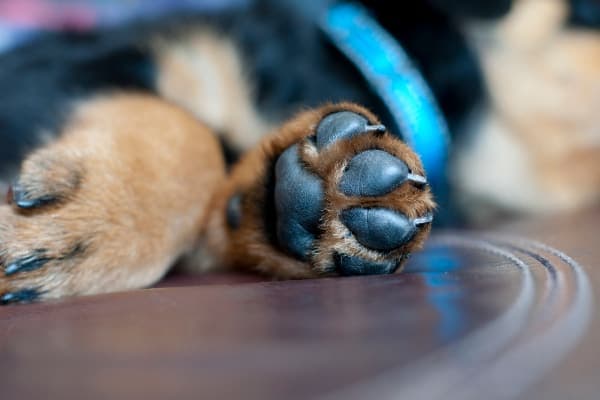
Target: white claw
pixel 417 179
pixel 423 220
pixel 375 128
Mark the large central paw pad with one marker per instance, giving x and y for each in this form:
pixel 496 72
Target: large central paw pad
pixel 352 198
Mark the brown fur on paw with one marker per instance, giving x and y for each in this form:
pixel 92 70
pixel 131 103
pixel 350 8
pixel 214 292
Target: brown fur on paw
pixel 37 256
pixel 332 192
pixel 134 176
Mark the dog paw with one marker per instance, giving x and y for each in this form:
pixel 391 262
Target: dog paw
pixel 70 230
pixel 45 232
pixel 348 197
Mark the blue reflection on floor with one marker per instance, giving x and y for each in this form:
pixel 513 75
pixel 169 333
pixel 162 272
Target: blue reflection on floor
pixel 444 293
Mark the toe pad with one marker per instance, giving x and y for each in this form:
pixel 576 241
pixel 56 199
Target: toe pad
pixel 342 125
pixel 348 265
pixel 379 228
pixel 373 173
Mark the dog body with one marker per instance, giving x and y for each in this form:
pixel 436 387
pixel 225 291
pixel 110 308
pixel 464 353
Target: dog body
pixel 118 142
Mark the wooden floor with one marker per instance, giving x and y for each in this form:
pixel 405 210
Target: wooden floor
pixel 475 316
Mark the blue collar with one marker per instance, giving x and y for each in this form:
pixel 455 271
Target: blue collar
pixel 394 78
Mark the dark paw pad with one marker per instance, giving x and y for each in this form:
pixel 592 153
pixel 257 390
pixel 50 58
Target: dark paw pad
pixel 373 173
pixel 298 201
pixel 348 265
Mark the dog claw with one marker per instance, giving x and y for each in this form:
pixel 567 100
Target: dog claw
pixel 20 198
pixel 20 296
pixel 376 128
pixel 418 179
pixel 423 220
pixel 26 264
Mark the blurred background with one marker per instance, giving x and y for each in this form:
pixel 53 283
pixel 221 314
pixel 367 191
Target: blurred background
pixel 21 20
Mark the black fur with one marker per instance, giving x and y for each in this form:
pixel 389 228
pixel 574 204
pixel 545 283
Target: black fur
pixel 42 80
pixel 488 9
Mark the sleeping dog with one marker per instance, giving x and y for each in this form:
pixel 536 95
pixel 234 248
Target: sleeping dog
pixel 246 139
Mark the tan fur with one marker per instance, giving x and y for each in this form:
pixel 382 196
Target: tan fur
pixel 202 72
pixel 146 172
pixel 544 86
pixel 249 246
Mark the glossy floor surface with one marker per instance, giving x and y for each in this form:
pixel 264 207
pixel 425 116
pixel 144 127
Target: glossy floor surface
pixel 474 316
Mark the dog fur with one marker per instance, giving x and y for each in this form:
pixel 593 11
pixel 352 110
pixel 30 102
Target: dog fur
pixel 116 140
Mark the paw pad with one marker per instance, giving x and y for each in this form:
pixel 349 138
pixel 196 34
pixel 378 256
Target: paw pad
pixel 379 228
pixel 348 265
pixel 373 173
pixel 302 198
pixel 299 201
pixel 343 125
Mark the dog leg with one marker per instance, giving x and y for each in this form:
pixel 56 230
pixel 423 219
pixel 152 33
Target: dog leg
pixel 111 204
pixel 331 192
